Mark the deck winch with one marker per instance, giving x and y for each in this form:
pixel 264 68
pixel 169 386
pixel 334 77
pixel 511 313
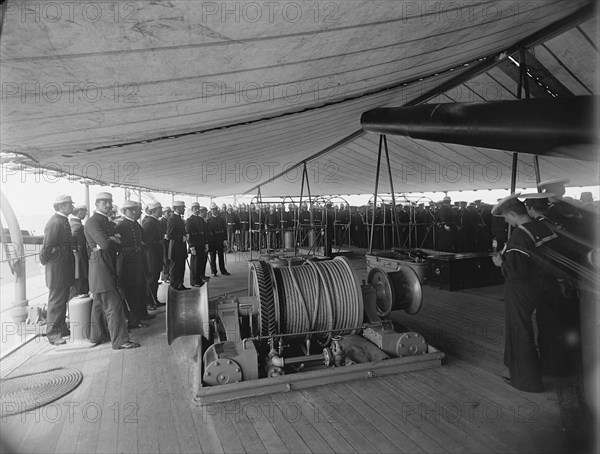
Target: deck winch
pixel 296 319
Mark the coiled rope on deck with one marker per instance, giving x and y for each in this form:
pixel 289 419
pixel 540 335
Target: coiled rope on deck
pixel 318 296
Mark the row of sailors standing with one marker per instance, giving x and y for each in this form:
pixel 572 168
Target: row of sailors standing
pixel 262 226
pixel 550 263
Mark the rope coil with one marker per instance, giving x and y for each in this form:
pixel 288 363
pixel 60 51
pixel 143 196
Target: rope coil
pixel 316 296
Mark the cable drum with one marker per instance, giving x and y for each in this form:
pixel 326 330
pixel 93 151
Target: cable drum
pixel 316 296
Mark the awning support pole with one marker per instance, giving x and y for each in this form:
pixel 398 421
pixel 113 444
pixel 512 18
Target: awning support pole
pixel 381 137
pixel 395 225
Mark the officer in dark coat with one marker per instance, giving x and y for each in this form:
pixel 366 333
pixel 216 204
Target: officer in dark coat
pixel 153 238
pixel 81 285
pixel 131 262
pixel 108 316
pixel 528 286
pixel 197 232
pixel 177 245
pixel 167 213
pixel 58 257
pixel 218 229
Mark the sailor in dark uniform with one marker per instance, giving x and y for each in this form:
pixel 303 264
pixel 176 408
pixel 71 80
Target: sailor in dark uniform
pixel 568 258
pixel 57 255
pixel 560 211
pixel 198 235
pixel 217 228
pixel 528 286
pixel 177 245
pixel 81 285
pixel 244 218
pixel 271 225
pixel 233 221
pixel 131 261
pixel 153 238
pixel 328 229
pixel 108 316
pixel 447 227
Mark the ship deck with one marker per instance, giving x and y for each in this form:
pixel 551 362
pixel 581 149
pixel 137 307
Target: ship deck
pixel 141 401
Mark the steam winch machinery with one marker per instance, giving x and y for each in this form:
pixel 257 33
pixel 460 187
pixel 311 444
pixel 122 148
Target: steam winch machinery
pixel 299 317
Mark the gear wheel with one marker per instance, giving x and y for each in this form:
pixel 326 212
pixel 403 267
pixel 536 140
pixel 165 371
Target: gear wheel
pixel 264 289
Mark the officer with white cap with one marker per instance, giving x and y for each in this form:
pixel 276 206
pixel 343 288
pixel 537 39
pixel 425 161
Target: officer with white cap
pixel 153 238
pixel 57 255
pixel 197 232
pixel 108 316
pixel 167 213
pixel 177 245
pixel 130 264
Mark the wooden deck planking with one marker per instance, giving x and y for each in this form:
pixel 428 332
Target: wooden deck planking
pixel 260 418
pixel 366 427
pixel 67 442
pixel 505 423
pixel 467 404
pixel 412 411
pixel 318 395
pixel 456 412
pixel 205 431
pixel 178 388
pixel 147 414
pixel 108 428
pixel 485 383
pixel 88 433
pixel 391 409
pixel 398 442
pixel 125 410
pixel 320 417
pixel 244 427
pixel 385 418
pixel 167 428
pixel 369 415
pixel 298 412
pixel 218 414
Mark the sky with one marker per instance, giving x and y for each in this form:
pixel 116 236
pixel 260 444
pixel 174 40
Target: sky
pixel 32 195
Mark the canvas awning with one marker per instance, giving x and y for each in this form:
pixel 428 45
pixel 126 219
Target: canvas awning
pixel 218 98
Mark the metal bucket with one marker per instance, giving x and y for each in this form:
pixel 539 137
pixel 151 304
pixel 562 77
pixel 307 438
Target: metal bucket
pixel 80 312
pixel 161 294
